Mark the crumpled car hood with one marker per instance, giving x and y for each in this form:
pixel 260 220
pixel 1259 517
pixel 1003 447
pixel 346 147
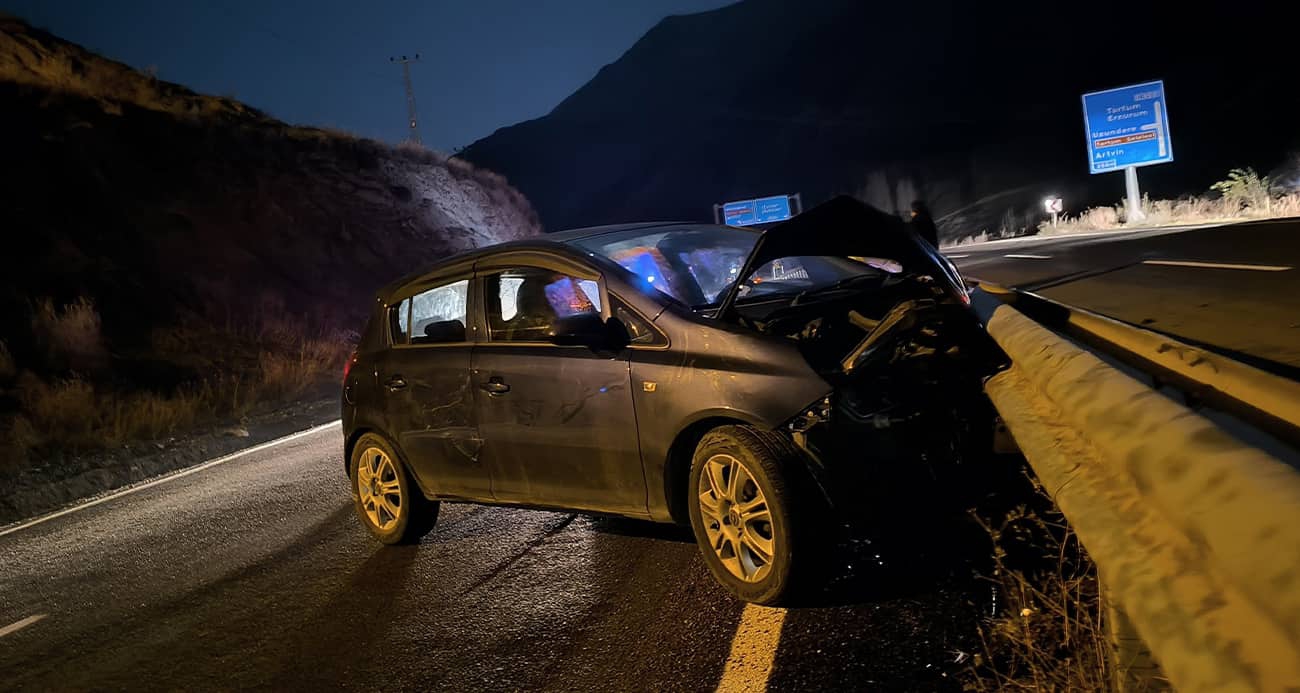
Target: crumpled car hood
pixel 846 227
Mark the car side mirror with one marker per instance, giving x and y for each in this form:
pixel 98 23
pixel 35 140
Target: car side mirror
pixel 589 330
pixel 441 331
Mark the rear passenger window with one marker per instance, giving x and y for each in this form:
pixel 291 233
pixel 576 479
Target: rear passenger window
pixel 432 317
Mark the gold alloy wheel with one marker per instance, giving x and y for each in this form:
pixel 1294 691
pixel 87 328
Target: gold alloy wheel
pixel 380 488
pixel 736 518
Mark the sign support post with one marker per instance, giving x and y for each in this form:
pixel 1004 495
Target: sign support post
pixel 1135 212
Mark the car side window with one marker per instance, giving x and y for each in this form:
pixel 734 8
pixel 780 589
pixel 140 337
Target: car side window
pixel 522 304
pixel 639 330
pixel 434 316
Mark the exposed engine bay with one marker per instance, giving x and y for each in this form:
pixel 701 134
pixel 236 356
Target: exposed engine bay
pixel 907 360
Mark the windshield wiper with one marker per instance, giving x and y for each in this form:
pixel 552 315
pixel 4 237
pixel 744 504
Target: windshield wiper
pixel 845 283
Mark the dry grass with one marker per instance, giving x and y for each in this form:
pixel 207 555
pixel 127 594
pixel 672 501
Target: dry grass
pixel 147 415
pixel 36 58
pixel 274 357
pixel 71 334
pixel 74 415
pixel 981 237
pixel 20 438
pixel 68 73
pixel 1242 196
pixel 1012 224
pixel 8 369
pixel 1047 631
pixel 288 375
pixel 419 153
pixel 1095 219
pixel 67 407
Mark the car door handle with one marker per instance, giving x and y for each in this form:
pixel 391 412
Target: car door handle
pixel 396 383
pixel 494 386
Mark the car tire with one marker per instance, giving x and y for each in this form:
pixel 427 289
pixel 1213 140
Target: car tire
pixel 379 477
pixel 759 559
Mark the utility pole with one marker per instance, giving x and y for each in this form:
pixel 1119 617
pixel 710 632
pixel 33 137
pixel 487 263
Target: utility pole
pixel 410 93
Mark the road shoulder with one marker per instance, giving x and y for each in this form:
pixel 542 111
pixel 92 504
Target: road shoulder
pixel 50 485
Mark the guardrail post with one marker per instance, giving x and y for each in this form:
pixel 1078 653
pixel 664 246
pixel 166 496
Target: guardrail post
pixel 1133 669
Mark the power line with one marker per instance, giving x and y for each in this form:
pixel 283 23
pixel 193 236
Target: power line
pixel 405 62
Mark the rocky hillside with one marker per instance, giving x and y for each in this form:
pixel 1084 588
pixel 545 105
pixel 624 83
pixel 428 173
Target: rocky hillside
pixel 171 257
pixel 975 106
pixel 159 203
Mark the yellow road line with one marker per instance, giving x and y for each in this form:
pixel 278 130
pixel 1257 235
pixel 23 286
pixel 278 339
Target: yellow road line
pixel 15 627
pixel 1217 265
pixel 753 650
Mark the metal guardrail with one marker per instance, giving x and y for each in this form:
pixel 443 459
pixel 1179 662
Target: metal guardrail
pixel 1269 401
pixel 1196 534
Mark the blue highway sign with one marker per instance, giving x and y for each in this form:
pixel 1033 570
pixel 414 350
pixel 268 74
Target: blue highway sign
pixel 1128 126
pixel 760 211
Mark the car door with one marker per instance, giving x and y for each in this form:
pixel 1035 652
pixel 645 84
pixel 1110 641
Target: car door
pixel 557 422
pixel 429 397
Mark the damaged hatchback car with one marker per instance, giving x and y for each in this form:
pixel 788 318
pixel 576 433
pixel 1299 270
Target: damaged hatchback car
pixel 760 387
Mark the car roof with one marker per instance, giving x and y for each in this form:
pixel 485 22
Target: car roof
pixel 544 241
pixel 589 231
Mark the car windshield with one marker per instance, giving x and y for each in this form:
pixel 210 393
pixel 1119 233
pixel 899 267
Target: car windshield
pixel 695 265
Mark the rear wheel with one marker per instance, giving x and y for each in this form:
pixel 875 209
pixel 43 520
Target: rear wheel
pixel 743 495
pixel 384 495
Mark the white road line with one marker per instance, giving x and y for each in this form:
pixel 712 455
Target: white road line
pixel 1026 256
pixel 1217 265
pixel 753 650
pixel 955 257
pixel 19 625
pixel 168 477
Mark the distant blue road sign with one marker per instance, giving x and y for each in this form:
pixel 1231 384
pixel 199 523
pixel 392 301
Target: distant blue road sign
pixel 1128 126
pixel 760 211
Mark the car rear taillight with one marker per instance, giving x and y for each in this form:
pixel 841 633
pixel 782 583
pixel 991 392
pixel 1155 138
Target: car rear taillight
pixel 347 367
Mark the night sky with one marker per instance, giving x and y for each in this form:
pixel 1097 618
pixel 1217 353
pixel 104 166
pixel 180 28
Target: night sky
pixel 484 64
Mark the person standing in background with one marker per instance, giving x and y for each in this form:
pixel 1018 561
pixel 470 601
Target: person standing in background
pixel 923 223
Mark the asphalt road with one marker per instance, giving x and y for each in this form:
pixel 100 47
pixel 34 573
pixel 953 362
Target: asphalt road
pixel 1235 287
pixel 253 573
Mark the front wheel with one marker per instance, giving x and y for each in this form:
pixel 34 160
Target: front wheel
pixel 741 505
pixel 384 495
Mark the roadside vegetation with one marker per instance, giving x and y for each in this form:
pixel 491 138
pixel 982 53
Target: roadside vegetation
pixel 1045 631
pixel 1243 195
pixel 75 394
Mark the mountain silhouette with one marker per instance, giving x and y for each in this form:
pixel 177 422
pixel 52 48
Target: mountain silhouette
pixel 973 106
